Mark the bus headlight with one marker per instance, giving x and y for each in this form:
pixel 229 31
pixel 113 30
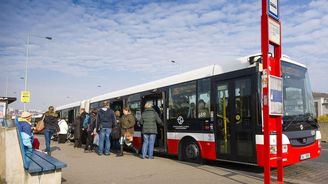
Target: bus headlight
pixel 284 148
pixel 273 149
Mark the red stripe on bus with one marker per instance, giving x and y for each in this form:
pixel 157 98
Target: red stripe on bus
pixel 207 149
pixel 292 156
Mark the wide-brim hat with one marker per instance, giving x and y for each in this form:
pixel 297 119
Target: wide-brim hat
pixel 26 115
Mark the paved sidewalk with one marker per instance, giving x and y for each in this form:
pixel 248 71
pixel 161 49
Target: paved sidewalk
pixel 91 168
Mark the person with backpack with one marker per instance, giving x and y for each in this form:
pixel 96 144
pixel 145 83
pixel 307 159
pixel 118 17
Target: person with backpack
pixel 89 125
pixel 127 131
pixel 105 121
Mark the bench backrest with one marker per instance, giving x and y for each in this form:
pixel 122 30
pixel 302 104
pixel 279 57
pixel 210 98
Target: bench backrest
pixel 23 151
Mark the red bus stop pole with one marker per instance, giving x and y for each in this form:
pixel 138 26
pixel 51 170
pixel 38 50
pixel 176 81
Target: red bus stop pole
pixel 271 67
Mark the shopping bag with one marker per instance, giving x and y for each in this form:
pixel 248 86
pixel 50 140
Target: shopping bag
pixel 36 143
pixel 96 140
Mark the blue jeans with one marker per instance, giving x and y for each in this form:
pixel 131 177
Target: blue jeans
pixel 47 135
pixel 148 145
pixel 104 136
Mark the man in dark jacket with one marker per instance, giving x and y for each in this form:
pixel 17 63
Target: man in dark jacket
pixel 105 121
pixel 149 120
pixel 77 132
pixel 51 126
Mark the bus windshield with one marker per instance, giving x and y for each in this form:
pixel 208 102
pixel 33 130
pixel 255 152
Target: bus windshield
pixel 297 93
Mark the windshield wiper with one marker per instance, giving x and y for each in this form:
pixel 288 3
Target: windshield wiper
pixel 304 118
pixel 290 122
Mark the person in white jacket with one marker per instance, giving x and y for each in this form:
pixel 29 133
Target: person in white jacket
pixel 62 134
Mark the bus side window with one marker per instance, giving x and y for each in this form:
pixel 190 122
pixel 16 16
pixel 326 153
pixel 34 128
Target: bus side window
pixel 182 100
pixel 203 105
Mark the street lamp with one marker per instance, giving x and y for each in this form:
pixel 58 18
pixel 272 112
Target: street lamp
pixel 26 63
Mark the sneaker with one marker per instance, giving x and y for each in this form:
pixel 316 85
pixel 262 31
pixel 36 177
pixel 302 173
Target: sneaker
pixel 99 154
pixel 107 154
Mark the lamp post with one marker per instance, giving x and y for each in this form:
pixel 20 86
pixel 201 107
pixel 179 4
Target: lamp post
pixel 26 62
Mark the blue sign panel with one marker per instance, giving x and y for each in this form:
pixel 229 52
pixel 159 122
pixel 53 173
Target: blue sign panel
pixel 273 9
pixel 275 94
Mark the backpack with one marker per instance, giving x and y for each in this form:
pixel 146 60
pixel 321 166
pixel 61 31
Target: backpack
pixel 86 121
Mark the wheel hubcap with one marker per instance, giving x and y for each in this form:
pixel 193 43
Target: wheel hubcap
pixel 192 151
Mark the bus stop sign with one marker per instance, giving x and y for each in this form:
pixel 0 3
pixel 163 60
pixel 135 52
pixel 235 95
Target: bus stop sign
pixel 273 9
pixel 25 96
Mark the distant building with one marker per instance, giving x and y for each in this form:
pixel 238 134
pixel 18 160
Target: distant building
pixel 320 103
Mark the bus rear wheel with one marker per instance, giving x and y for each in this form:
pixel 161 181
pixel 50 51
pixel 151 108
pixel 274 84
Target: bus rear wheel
pixel 191 152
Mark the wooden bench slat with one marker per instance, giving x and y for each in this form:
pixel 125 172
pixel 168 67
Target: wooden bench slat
pixel 58 164
pixel 34 168
pixel 45 165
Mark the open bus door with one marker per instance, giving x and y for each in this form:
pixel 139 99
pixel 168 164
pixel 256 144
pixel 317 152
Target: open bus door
pixel 158 100
pixel 235 119
pixel 71 116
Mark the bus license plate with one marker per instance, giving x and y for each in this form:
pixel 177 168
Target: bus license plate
pixel 305 156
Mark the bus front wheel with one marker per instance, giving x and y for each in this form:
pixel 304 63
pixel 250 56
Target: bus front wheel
pixel 191 152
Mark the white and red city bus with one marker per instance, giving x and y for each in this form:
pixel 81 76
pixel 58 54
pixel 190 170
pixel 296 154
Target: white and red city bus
pixel 215 113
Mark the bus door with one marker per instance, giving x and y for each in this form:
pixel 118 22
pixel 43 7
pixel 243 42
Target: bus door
pixel 234 120
pixel 157 99
pixel 117 106
pixel 71 116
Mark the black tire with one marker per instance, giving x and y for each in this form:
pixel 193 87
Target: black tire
pixel 190 152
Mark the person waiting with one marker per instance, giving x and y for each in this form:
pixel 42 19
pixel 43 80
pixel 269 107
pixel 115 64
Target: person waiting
pixel 203 111
pixel 63 129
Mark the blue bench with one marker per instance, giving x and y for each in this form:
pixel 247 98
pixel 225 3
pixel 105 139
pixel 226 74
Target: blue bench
pixel 36 162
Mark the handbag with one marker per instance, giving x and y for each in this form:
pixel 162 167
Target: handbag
pixel 57 128
pixel 116 132
pixel 128 136
pixel 40 125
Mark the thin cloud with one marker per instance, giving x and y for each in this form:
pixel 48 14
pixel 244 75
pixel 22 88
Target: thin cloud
pixel 105 38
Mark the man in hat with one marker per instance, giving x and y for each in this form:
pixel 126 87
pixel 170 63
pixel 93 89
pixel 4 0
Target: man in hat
pixel 26 131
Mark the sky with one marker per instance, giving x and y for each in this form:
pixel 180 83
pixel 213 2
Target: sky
pixel 100 46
